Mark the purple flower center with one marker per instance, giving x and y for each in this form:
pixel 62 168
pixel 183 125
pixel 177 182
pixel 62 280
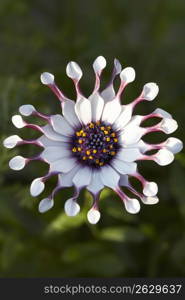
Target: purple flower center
pixel 95 144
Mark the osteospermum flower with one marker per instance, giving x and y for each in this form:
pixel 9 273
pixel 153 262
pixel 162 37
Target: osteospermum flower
pixel 96 141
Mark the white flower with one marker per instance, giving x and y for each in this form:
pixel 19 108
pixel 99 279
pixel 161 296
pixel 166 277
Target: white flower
pixel 96 142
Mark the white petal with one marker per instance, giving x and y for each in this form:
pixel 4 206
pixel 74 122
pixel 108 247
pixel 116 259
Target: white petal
pixel 123 180
pixel 168 125
pixel 108 93
pixel 129 154
pixel 60 125
pixel 150 91
pixel 82 177
pixel 66 179
pixel 96 184
pixel 142 146
pixel 68 108
pixel 99 64
pixel 109 177
pixel 117 66
pixel 51 154
pixel 150 189
pixel 163 113
pixel 124 167
pixel 132 205
pixel 93 216
pixel 124 117
pixel 26 110
pixel 83 110
pixel 63 165
pixel 18 121
pixel 51 134
pixel 11 141
pixel 111 111
pixel 47 78
pixel 131 135
pixel 174 145
pixel 17 163
pixel 73 70
pixel 128 75
pixel 71 207
pixel 97 104
pixel 37 186
pixel 45 205
pixel 45 142
pixel 150 200
pixel 164 157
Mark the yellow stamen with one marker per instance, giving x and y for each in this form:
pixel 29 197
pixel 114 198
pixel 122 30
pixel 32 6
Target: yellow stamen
pixel 91 125
pixel 84 134
pixel 101 164
pixel 90 157
pixel 108 139
pixel 78 133
pixel 104 150
pixel 111 146
pixel 81 131
pixel 113 153
pixel 80 141
pixel 94 151
pixel 108 127
pixel 84 157
pixel 88 152
pixel 79 149
pixel 106 132
pixel 115 140
pixel 113 134
pixel 74 149
pixel 102 127
pixel 97 161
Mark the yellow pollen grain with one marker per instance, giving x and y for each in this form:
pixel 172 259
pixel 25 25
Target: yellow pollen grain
pixel 108 139
pixel 104 150
pixel 113 134
pixel 81 131
pixel 101 164
pixel 84 134
pixel 115 140
pixel 90 157
pixel 102 128
pixel 74 149
pixel 79 149
pixel 113 153
pixel 78 133
pixel 106 132
pixel 108 127
pixel 91 125
pixel 88 152
pixel 97 161
pixel 80 141
pixel 94 151
pixel 111 146
pixel 84 157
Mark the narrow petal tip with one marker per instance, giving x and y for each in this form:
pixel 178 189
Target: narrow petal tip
pixel 128 75
pixel 71 207
pixel 93 216
pixel 47 78
pixel 150 189
pixel 11 141
pixel 132 206
pixel 18 121
pixel 117 66
pixel 150 91
pixel 45 205
pixel 37 187
pixel 17 163
pixel 164 157
pixel 26 110
pixel 99 64
pixel 73 70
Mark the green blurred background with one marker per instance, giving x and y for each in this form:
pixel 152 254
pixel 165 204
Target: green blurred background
pixel 39 36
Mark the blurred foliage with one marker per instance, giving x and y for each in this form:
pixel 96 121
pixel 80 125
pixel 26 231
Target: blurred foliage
pixel 43 35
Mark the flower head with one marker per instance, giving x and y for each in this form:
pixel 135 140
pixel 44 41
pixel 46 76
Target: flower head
pixel 96 141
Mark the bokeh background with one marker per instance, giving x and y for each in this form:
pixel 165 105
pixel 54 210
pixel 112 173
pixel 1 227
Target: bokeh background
pixel 39 35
